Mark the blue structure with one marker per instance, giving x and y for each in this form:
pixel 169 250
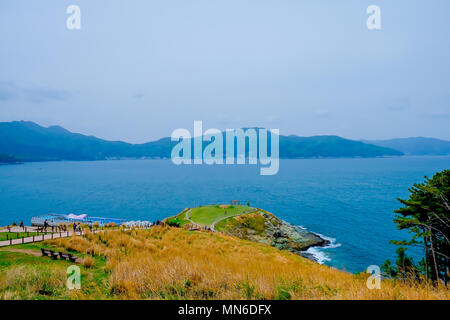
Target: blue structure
pixel 54 219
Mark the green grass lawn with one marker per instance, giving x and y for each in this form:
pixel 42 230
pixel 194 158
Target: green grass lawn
pixel 179 220
pixel 15 235
pixel 208 214
pixel 25 276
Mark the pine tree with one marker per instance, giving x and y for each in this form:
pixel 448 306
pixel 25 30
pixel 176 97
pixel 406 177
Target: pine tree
pixel 426 214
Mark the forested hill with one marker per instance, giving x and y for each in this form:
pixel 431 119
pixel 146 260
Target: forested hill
pixel 29 141
pixel 4 158
pixel 416 146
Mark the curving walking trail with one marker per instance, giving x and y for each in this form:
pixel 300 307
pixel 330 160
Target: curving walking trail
pixel 234 215
pixel 189 218
pixel 212 226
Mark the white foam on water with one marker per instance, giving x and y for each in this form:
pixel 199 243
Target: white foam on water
pixel 317 252
pixel 318 256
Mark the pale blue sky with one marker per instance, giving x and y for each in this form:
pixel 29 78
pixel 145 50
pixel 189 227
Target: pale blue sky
pixel 137 70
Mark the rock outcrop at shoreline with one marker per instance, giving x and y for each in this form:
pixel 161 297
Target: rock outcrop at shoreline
pixel 264 227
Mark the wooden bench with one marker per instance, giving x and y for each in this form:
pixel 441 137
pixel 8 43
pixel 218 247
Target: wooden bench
pixel 45 252
pixel 68 256
pixel 49 253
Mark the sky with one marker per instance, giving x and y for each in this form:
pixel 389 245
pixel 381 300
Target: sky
pixel 137 70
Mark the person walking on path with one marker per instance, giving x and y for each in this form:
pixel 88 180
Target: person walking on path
pixel 21 225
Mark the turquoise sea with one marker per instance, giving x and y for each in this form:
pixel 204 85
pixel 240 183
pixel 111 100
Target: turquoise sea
pixel 350 201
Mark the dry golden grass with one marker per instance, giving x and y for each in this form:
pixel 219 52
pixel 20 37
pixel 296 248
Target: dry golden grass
pixel 31 282
pixel 88 262
pixel 171 263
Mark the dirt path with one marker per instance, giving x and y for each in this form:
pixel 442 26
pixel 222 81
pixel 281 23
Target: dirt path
pixel 35 253
pixel 189 218
pixel 26 251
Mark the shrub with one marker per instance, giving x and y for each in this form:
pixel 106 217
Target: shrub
pixel 283 294
pixel 88 262
pixel 174 222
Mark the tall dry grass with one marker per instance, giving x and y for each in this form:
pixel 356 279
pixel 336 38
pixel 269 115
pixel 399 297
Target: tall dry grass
pixel 171 263
pixel 32 282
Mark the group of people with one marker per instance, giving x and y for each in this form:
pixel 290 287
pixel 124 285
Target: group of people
pixel 59 228
pixel 77 227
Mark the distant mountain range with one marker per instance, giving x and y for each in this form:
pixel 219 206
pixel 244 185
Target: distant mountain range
pixel 5 158
pixel 415 146
pixel 28 141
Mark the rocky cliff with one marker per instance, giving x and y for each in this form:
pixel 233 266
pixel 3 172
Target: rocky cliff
pixel 264 227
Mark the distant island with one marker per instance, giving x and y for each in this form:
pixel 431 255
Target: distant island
pixel 28 141
pixel 418 146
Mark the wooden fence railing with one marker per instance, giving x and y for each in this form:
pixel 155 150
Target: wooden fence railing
pixel 48 235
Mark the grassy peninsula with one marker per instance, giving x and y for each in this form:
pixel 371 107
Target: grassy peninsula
pixel 248 223
pixel 166 262
pixel 207 216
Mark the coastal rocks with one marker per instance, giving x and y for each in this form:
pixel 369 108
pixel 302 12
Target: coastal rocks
pixel 264 227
